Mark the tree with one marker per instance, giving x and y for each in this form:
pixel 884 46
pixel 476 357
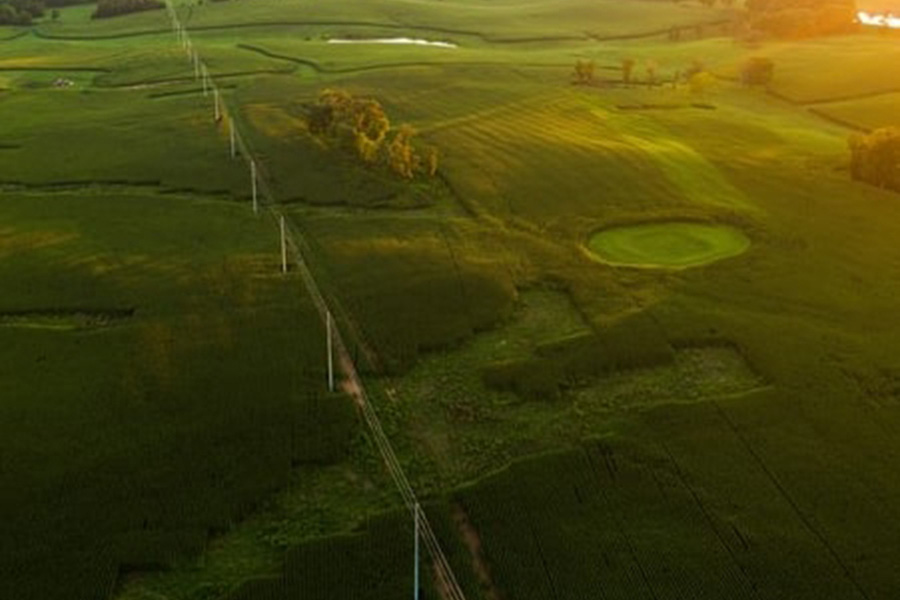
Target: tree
pixel 401 155
pixel 431 161
pixel 370 126
pixel 875 158
pixel 584 72
pixel 757 70
pixel 627 69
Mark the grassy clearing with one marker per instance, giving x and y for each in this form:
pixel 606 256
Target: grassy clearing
pixel 667 245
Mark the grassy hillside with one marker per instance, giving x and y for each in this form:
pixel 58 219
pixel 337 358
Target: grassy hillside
pixel 720 431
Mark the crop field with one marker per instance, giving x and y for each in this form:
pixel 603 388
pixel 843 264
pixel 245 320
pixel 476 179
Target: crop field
pixel 634 339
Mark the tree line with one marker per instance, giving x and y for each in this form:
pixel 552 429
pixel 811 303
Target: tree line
pixel 23 12
pixel 362 126
pixel 112 8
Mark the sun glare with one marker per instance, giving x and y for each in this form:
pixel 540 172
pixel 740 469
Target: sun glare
pixel 879 20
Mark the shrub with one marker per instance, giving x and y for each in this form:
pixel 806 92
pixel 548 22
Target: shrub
pixel 875 158
pixel 757 71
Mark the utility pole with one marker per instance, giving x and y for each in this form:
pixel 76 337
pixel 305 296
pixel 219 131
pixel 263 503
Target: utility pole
pixel 416 545
pixel 284 263
pixel 253 184
pixel 231 136
pixel 328 327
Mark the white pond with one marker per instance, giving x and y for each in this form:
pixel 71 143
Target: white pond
pixel 397 40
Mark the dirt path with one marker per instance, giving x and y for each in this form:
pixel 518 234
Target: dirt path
pixel 472 540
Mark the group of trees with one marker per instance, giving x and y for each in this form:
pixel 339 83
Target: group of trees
pixel 757 70
pixel 23 12
pixel 585 71
pixel 875 158
pixel 800 18
pixel 362 124
pixel 112 8
pixel 20 12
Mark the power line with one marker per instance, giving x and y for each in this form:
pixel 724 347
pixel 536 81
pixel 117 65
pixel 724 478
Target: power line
pixel 353 384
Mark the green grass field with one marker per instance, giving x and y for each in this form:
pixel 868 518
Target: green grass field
pixel 662 245
pixel 576 429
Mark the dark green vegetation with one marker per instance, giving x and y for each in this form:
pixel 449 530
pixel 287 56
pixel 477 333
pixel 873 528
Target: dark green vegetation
pixel 112 8
pixel 722 431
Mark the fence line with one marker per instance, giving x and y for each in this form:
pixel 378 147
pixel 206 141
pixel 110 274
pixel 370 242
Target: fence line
pixel 300 249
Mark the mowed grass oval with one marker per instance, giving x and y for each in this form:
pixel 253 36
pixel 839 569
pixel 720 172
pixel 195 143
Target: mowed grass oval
pixel 667 245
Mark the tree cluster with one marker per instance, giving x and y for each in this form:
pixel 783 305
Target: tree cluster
pixel 757 70
pixel 585 72
pixel 20 12
pixel 362 124
pixel 112 8
pixel 875 158
pixel 23 12
pixel 800 18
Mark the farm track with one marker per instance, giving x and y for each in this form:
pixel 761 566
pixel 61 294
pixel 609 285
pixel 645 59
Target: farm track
pixel 146 83
pixel 379 66
pixel 816 106
pixel 487 38
pixel 59 69
pixel 146 188
pixel 848 98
